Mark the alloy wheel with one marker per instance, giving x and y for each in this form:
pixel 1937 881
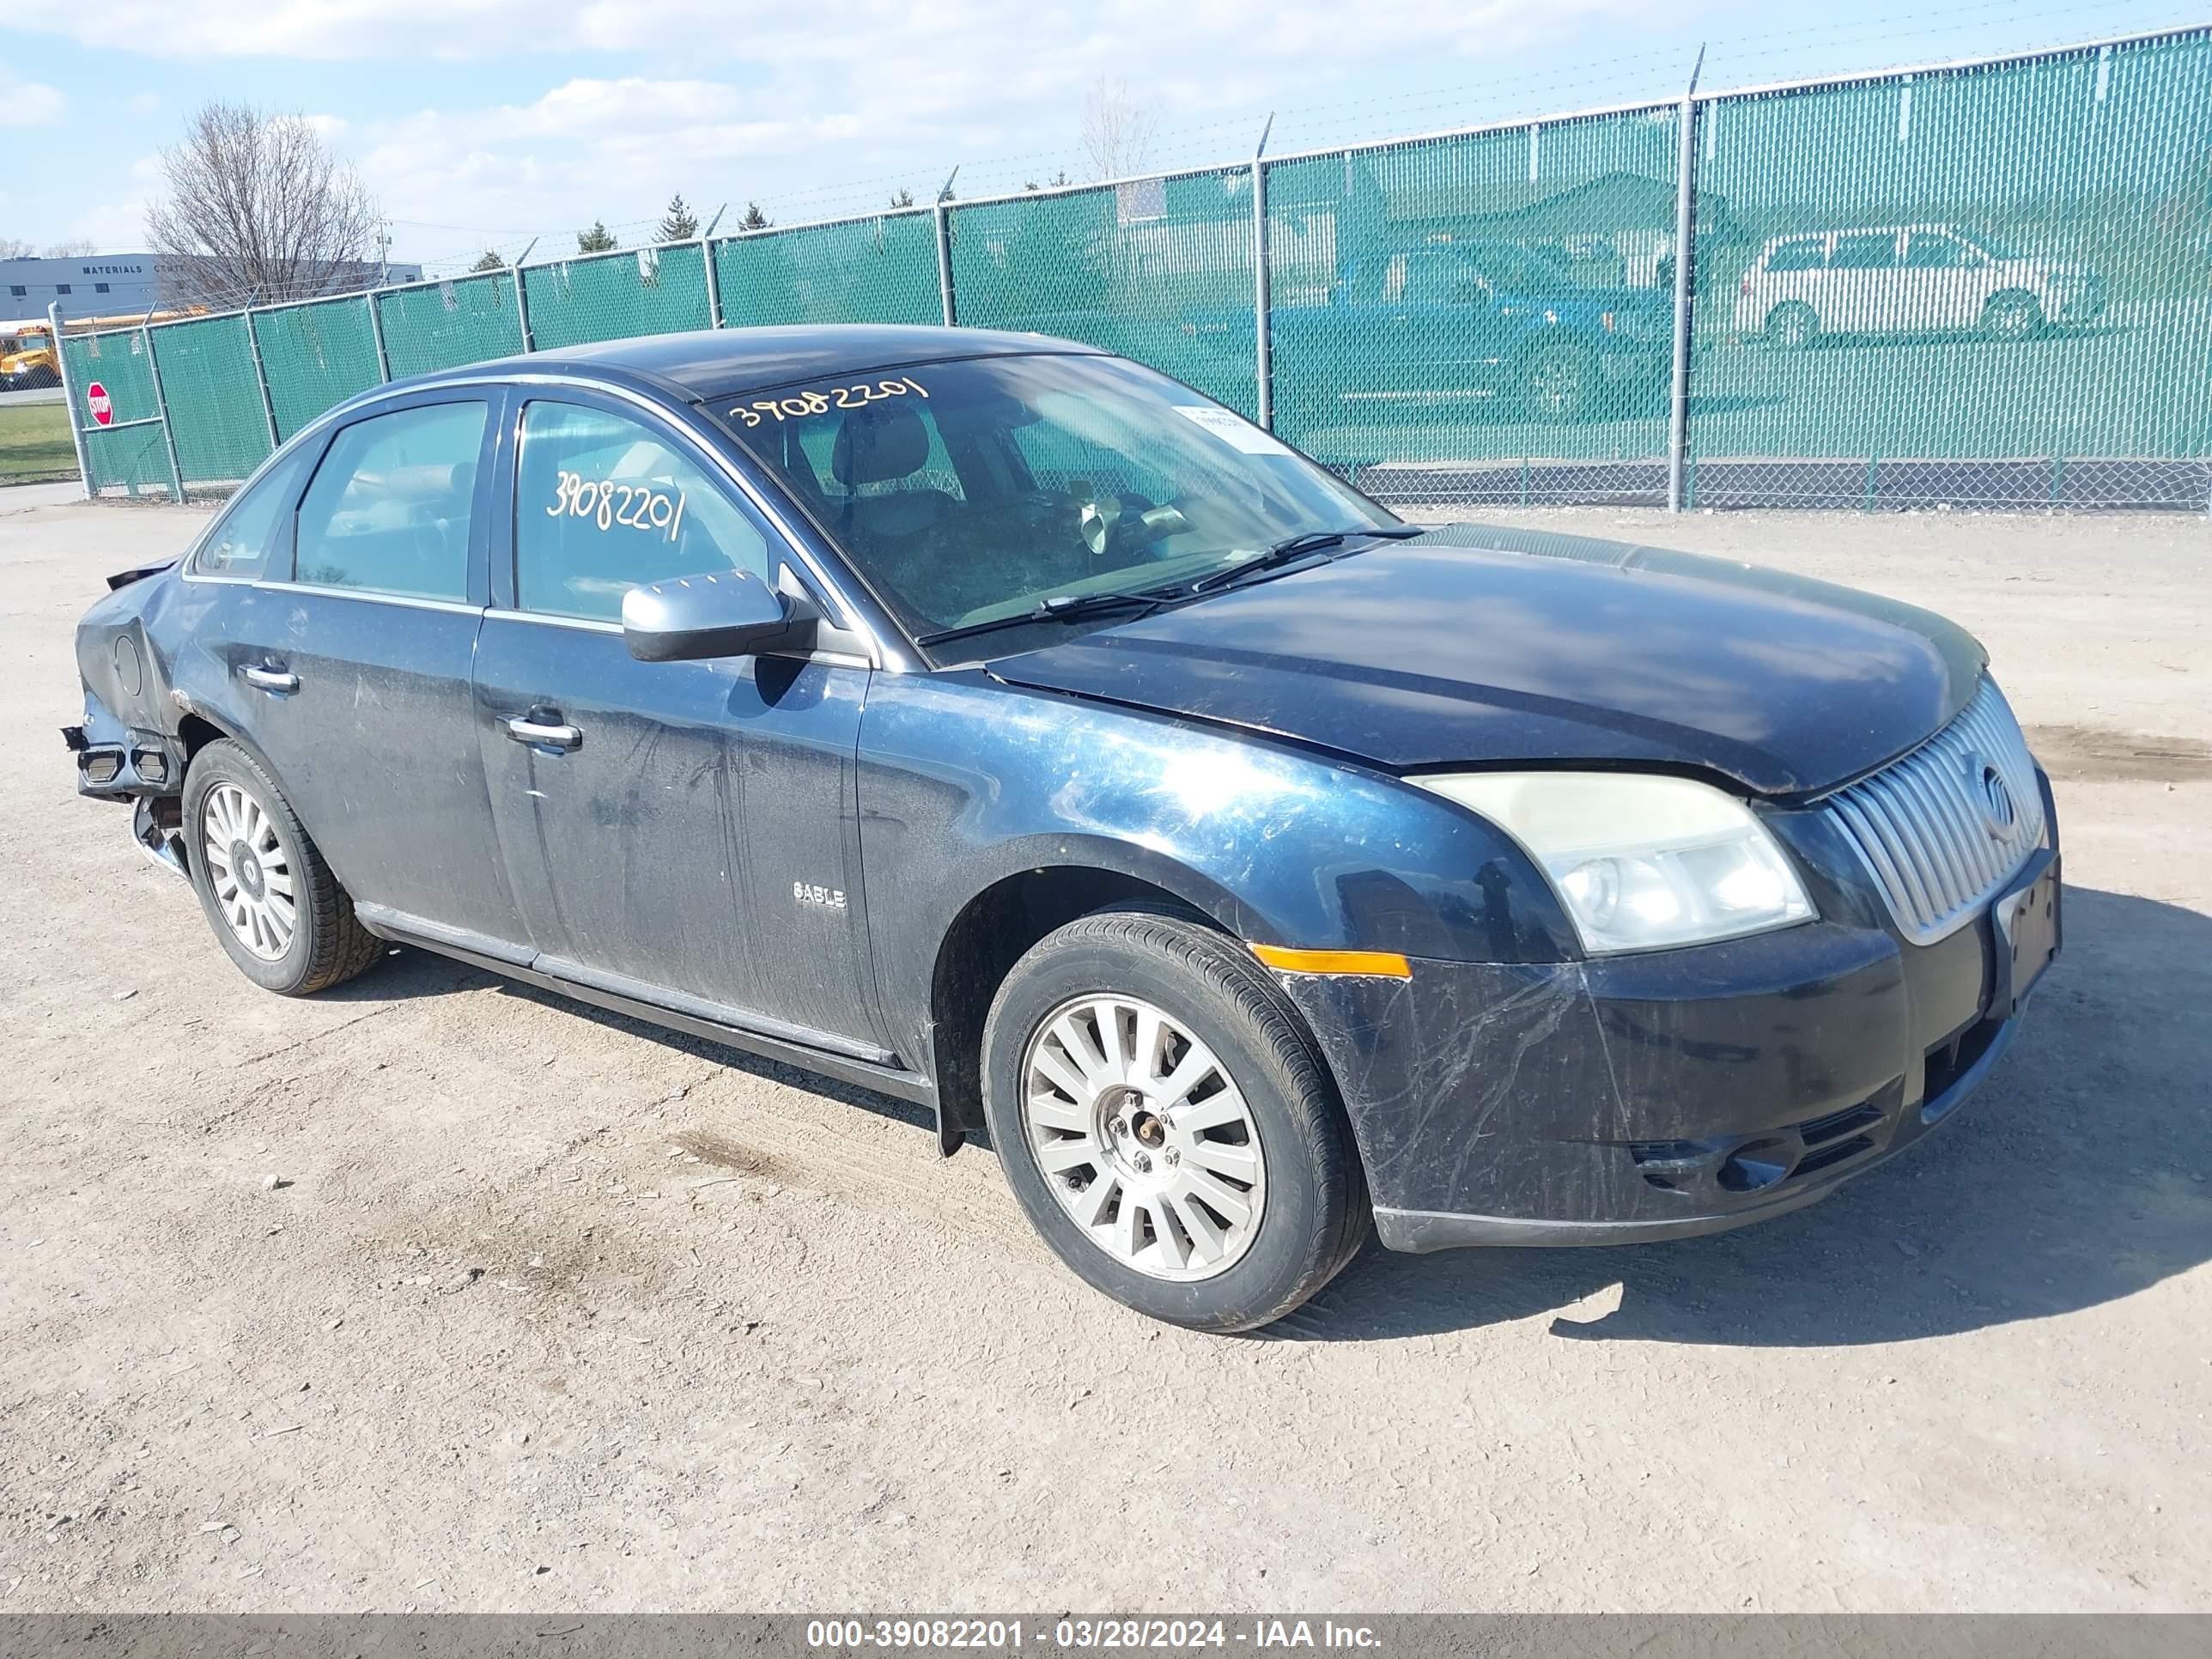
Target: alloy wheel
pixel 250 871
pixel 1144 1138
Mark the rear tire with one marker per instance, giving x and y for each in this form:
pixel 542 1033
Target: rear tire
pixel 1202 1171
pixel 275 908
pixel 1555 380
pixel 2011 316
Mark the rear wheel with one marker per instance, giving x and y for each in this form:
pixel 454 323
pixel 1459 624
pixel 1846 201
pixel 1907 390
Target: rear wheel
pixel 1166 1123
pixel 274 904
pixel 1556 384
pixel 1794 324
pixel 2013 316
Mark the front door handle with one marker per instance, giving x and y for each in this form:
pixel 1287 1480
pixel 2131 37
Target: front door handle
pixel 271 680
pixel 540 734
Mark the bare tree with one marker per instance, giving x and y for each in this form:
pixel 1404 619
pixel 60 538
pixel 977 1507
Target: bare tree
pixel 1117 129
pixel 14 247
pixel 75 248
pixel 258 210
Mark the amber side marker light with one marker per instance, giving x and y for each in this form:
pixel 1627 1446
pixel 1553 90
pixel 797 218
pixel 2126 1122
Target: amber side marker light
pixel 1383 964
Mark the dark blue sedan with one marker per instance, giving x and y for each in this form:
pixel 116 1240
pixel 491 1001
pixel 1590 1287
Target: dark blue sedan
pixel 1003 726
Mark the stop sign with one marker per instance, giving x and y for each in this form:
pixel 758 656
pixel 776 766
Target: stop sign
pixel 96 400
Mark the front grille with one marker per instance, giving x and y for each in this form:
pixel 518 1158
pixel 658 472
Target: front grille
pixel 1932 826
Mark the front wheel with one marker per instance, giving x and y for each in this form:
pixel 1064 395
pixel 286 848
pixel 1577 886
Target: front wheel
pixel 1793 326
pixel 1167 1123
pixel 275 906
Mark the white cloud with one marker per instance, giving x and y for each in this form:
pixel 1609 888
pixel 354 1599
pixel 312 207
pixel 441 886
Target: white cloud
pixel 791 105
pixel 28 104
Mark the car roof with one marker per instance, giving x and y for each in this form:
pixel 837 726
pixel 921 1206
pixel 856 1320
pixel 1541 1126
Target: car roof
pixel 720 362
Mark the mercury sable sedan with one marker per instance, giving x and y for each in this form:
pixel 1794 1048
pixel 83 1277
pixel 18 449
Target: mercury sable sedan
pixel 1003 726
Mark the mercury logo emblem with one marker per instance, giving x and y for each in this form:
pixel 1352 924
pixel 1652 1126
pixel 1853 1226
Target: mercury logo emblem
pixel 1999 812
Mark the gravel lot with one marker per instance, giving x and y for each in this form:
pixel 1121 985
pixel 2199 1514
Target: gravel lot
pixel 553 1311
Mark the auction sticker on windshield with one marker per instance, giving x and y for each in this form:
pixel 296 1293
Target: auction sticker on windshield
pixel 1232 429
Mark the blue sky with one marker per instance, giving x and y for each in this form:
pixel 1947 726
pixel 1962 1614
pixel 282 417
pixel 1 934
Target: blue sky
pixel 487 123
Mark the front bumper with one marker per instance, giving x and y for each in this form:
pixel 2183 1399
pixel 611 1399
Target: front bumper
pixel 1633 1098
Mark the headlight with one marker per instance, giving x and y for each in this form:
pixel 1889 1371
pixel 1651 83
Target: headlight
pixel 1640 862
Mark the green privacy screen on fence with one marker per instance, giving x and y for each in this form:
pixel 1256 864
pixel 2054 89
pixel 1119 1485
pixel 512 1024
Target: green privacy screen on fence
pixel 614 296
pixel 1984 284
pixel 433 325
pixel 859 271
pixel 1988 285
pixel 215 401
pixel 1159 270
pixel 315 356
pixel 121 455
pixel 1485 317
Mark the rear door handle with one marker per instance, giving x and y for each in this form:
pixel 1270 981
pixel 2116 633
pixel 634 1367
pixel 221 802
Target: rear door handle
pixel 271 680
pixel 540 734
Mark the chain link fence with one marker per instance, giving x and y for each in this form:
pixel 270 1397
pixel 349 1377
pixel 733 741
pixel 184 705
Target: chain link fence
pixel 1973 285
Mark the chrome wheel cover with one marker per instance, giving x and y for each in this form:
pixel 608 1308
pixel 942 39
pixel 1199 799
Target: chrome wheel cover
pixel 250 871
pixel 1144 1138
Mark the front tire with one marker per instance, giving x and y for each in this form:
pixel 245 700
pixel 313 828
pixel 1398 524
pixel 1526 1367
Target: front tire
pixel 1168 1124
pixel 275 909
pixel 1793 326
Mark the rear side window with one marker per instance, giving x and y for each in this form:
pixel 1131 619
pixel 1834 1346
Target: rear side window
pixel 605 503
pixel 1806 255
pixel 247 534
pixel 1874 251
pixel 392 505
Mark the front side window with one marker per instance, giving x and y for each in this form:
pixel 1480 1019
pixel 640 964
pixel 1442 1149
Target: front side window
pixel 605 503
pixel 1930 250
pixel 394 504
pixel 1807 253
pixel 242 540
pixel 968 492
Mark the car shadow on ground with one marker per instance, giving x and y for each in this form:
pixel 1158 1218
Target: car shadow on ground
pixel 2079 1174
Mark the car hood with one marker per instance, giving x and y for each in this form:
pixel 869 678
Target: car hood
pixel 1469 645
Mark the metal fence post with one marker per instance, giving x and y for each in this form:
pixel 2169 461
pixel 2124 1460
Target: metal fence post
pixel 714 285
pixel 1686 230
pixel 521 306
pixel 261 379
pixel 162 403
pixel 69 398
pixel 376 334
pixel 944 263
pixel 1263 350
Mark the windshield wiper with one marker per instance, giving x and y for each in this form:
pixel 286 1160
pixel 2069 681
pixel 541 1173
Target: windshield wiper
pixel 1295 547
pixel 1058 607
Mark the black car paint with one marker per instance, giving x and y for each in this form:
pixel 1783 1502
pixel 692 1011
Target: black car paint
pixel 1506 1079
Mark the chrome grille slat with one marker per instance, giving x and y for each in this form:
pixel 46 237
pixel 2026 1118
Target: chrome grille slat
pixel 1922 827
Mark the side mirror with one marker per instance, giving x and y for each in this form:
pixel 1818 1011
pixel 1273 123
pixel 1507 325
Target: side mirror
pixel 731 613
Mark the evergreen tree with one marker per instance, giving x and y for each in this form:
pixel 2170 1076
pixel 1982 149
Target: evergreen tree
pixel 679 223
pixel 754 219
pixel 903 199
pixel 490 261
pixel 598 239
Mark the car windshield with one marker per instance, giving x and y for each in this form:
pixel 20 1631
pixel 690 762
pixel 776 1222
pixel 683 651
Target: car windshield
pixel 965 493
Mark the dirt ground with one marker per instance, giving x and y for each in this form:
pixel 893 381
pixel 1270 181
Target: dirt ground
pixel 554 1312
